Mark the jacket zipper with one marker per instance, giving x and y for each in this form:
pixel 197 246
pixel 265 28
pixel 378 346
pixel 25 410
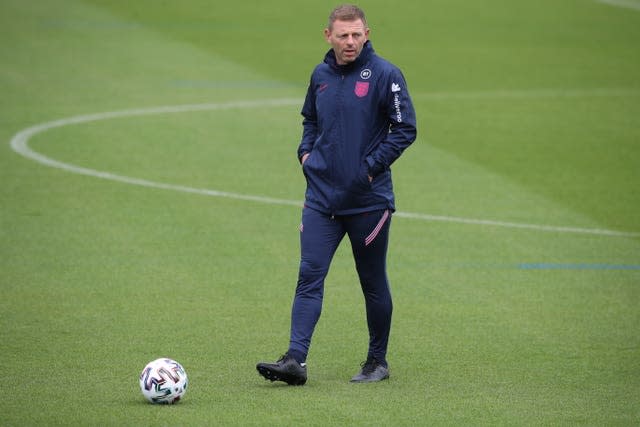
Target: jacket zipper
pixel 339 108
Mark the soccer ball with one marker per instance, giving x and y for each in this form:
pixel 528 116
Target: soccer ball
pixel 163 381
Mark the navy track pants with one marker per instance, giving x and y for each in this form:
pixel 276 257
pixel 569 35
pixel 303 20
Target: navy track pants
pixel 320 235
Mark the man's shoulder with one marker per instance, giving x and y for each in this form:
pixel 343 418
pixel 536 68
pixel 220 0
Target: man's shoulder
pixel 321 68
pixel 383 64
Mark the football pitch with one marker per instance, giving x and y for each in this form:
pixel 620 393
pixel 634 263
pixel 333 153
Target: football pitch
pixel 150 201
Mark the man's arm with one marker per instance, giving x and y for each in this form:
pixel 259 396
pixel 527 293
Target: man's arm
pixel 309 125
pixel 402 125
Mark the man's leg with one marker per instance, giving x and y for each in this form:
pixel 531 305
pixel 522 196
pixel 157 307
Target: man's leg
pixel 369 235
pixel 320 236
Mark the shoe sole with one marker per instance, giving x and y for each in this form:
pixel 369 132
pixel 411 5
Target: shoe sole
pixel 273 375
pixel 380 374
pixel 368 380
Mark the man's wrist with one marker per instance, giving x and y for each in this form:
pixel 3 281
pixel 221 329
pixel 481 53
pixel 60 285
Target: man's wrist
pixel 303 157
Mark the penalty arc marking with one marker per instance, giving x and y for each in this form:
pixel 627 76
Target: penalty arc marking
pixel 20 144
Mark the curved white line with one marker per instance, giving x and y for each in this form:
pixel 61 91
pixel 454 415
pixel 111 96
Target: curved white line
pixel 20 144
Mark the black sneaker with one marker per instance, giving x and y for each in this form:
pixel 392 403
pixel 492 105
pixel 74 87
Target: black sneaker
pixel 285 369
pixel 372 371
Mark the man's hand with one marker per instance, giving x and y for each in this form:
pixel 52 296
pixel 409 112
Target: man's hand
pixel 304 158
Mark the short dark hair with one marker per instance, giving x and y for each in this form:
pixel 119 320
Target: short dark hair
pixel 346 12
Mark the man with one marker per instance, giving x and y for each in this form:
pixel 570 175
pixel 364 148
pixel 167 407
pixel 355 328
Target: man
pixel 357 120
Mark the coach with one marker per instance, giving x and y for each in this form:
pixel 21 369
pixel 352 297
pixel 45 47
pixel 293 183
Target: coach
pixel 358 118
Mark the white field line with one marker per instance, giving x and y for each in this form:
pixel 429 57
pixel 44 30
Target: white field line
pixel 529 94
pixel 20 144
pixel 538 227
pixel 628 4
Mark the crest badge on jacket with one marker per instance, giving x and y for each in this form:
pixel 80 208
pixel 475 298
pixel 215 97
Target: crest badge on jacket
pixel 362 88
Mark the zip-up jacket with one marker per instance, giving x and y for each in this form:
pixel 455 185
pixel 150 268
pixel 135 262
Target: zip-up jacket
pixel 358 118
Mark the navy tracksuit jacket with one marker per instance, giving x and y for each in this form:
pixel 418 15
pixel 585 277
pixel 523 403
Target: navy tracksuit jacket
pixel 358 119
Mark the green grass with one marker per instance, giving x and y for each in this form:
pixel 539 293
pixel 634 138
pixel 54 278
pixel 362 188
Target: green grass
pixel 527 115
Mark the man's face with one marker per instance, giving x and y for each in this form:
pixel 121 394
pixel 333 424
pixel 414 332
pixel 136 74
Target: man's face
pixel 347 39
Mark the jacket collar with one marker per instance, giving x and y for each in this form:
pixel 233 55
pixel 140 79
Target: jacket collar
pixel 363 58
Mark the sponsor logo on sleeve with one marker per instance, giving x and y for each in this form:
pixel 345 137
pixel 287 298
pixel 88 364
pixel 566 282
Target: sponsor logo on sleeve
pixel 395 89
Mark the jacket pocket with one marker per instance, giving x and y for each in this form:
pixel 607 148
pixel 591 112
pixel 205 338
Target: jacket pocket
pixel 363 176
pixel 315 164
